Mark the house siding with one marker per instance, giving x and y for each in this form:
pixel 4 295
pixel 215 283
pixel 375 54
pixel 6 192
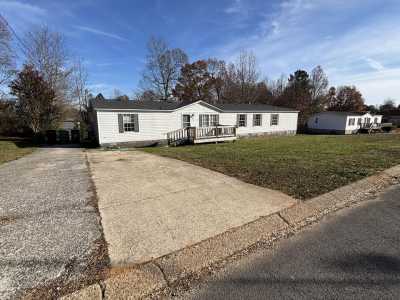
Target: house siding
pixel 154 125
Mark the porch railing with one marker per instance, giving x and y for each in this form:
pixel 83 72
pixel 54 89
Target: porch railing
pixel 191 134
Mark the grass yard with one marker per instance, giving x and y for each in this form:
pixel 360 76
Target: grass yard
pixel 302 166
pixel 11 149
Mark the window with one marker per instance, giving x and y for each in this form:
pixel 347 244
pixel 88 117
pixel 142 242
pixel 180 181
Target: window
pixel 185 121
pixel 214 120
pixel 274 119
pixel 242 120
pixel 257 119
pixel 130 123
pixel 352 121
pixel 316 120
pixel 375 120
pixel 359 121
pixel 208 120
pixel 368 120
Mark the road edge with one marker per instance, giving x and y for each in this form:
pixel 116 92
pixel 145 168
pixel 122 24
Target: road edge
pixel 176 270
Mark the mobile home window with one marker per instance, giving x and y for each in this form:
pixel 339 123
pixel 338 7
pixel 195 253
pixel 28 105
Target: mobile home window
pixel 368 120
pixel 359 121
pixel 352 121
pixel 185 121
pixel 129 123
pixel 208 120
pixel 214 120
pixel 274 119
pixel 257 120
pixel 375 120
pixel 242 120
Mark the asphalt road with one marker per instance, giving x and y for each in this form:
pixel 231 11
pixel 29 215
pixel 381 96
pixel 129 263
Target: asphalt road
pixel 353 254
pixel 49 229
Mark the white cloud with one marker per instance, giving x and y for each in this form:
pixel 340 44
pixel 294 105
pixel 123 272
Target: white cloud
pixel 303 34
pixel 21 15
pixel 374 64
pixel 100 32
pixel 234 8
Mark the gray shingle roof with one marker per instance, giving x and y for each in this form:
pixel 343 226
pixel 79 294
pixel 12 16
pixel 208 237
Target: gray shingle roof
pixel 344 113
pixel 169 105
pixel 242 107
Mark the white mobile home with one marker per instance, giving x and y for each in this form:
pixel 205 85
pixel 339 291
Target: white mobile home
pixel 340 122
pixel 141 123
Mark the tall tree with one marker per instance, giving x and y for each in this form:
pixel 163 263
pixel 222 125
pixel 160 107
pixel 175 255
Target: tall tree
pixel 47 52
pixel 194 83
pixel 80 90
pixel 162 68
pixel 37 105
pixel 247 76
pixel 388 106
pixel 347 98
pixel 217 72
pixel 297 95
pixel 319 89
pixel 7 57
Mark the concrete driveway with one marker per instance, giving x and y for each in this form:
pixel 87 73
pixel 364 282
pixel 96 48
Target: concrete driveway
pixel 50 233
pixel 151 206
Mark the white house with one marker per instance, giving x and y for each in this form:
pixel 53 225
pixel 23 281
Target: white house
pixel 141 123
pixel 342 122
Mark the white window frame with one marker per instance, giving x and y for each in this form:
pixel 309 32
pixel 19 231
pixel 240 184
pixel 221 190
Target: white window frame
pixel 257 122
pixel 359 121
pixel 186 124
pixel 128 122
pixel 352 121
pixel 242 123
pixel 274 120
pixel 208 120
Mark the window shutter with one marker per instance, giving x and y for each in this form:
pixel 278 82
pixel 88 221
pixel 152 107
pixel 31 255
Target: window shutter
pixel 136 121
pixel 237 120
pixel 245 120
pixel 121 123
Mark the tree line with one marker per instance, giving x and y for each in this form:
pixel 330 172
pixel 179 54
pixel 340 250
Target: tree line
pixel 169 76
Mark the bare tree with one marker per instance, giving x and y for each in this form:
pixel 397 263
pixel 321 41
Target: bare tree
pixel 319 89
pixel 162 68
pixel 80 90
pixel 247 76
pixel 7 57
pixel 217 72
pixel 47 52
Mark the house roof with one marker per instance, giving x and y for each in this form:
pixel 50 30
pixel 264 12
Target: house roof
pixel 345 113
pixel 139 105
pixel 242 107
pixel 169 106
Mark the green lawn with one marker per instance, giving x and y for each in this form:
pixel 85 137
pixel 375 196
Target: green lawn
pixel 303 166
pixel 11 149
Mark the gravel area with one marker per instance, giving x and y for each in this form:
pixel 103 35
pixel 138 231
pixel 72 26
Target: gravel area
pixel 51 239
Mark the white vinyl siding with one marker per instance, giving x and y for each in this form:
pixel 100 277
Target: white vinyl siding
pixel 154 125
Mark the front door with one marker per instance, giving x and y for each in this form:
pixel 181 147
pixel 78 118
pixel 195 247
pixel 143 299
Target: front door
pixel 185 121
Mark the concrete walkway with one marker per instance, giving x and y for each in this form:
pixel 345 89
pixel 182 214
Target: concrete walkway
pixel 151 206
pixel 49 231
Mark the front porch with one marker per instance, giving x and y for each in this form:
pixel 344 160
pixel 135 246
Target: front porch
pixel 196 135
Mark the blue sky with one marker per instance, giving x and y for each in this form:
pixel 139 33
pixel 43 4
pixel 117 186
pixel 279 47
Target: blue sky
pixel 355 41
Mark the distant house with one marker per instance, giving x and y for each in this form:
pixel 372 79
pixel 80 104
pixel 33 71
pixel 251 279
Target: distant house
pixel 342 122
pixel 141 123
